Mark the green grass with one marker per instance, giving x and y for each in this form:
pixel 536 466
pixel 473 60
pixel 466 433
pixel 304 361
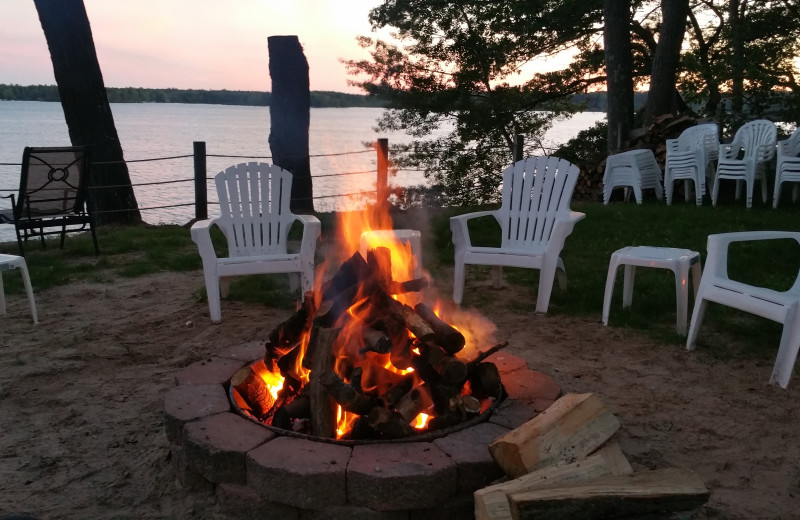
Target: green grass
pixel 726 334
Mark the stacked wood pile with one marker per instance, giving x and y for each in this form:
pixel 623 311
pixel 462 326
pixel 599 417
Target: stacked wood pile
pixel 356 331
pixel 561 465
pixel 654 137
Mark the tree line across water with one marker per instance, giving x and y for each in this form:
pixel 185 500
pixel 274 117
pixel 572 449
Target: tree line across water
pixel 593 101
pixel 319 98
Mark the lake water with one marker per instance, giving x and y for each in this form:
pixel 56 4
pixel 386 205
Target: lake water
pixel 338 136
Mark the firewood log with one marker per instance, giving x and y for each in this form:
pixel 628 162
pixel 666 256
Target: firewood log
pixel 345 395
pixel 454 371
pixel 284 337
pixel 484 379
pixel 447 337
pixel 411 405
pixel 253 390
pixel 297 408
pixel 323 407
pixel 491 502
pixel 401 387
pixel 649 494
pixel 350 274
pixel 375 341
pixel 570 429
pixel 390 424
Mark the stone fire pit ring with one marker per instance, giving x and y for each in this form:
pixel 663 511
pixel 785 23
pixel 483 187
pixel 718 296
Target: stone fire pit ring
pixel 259 472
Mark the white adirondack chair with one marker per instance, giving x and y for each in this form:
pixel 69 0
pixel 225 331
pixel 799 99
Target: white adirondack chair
pixel 255 219
pixel 690 157
pixel 787 168
pixel 746 158
pixel 535 219
pixel 783 307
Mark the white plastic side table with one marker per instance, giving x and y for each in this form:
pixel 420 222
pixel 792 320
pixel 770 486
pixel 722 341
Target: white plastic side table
pixel 635 169
pixel 679 261
pixel 8 262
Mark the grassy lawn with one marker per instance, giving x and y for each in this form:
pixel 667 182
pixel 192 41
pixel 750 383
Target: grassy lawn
pixel 726 333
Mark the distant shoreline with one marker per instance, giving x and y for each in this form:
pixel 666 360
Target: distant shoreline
pixel 593 101
pixel 319 98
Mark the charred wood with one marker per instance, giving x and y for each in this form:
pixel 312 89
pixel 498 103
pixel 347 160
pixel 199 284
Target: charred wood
pixel 447 337
pixel 345 395
pixel 391 425
pixel 323 408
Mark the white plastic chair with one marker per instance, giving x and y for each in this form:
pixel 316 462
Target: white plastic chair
pixel 787 168
pixel 535 220
pixel 690 157
pixel 255 219
pixel 635 169
pixel 783 307
pixel 746 157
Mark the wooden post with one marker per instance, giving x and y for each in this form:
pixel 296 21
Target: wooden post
pixel 383 172
pixel 200 187
pixel 518 145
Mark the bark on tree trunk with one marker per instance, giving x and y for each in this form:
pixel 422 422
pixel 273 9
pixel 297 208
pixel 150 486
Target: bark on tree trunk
pixel 662 98
pixel 86 109
pixel 617 44
pixel 290 116
pixel 737 63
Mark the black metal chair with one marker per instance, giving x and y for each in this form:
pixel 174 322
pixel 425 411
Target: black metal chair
pixel 53 193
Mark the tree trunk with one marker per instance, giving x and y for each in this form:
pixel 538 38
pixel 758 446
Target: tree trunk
pixel 290 117
pixel 737 62
pixel 86 109
pixel 663 97
pixel 617 44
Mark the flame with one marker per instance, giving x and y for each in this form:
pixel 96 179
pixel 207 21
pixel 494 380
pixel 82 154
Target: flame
pixel 421 421
pixel 273 381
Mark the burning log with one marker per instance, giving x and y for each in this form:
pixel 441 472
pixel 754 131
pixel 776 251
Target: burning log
pixel 484 379
pixel 298 408
pixel 375 341
pixel 414 285
pixel 391 397
pixel 390 424
pixel 454 371
pixel 346 396
pixel 411 405
pixel 447 337
pixel 441 391
pixel 413 321
pixel 323 411
pixel 253 390
pixel 286 336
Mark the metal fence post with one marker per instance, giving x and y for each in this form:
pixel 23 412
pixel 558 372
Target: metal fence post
pixel 200 187
pixel 383 171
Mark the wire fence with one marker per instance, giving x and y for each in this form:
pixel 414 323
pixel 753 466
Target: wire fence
pixel 197 193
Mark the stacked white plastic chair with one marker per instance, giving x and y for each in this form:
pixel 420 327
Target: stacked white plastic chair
pixel 634 169
pixel 783 307
pixel 255 219
pixel 690 157
pixel 746 159
pixel 535 219
pixel 787 168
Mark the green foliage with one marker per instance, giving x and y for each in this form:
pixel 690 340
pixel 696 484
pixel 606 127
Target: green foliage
pixel 455 85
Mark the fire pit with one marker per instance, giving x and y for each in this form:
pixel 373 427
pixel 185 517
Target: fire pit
pixel 366 400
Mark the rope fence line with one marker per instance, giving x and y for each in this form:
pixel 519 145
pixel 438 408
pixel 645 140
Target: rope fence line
pixel 201 178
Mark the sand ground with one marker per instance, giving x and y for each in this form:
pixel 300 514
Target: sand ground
pixel 81 433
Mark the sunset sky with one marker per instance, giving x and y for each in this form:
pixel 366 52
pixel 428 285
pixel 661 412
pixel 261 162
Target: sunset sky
pixel 200 44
